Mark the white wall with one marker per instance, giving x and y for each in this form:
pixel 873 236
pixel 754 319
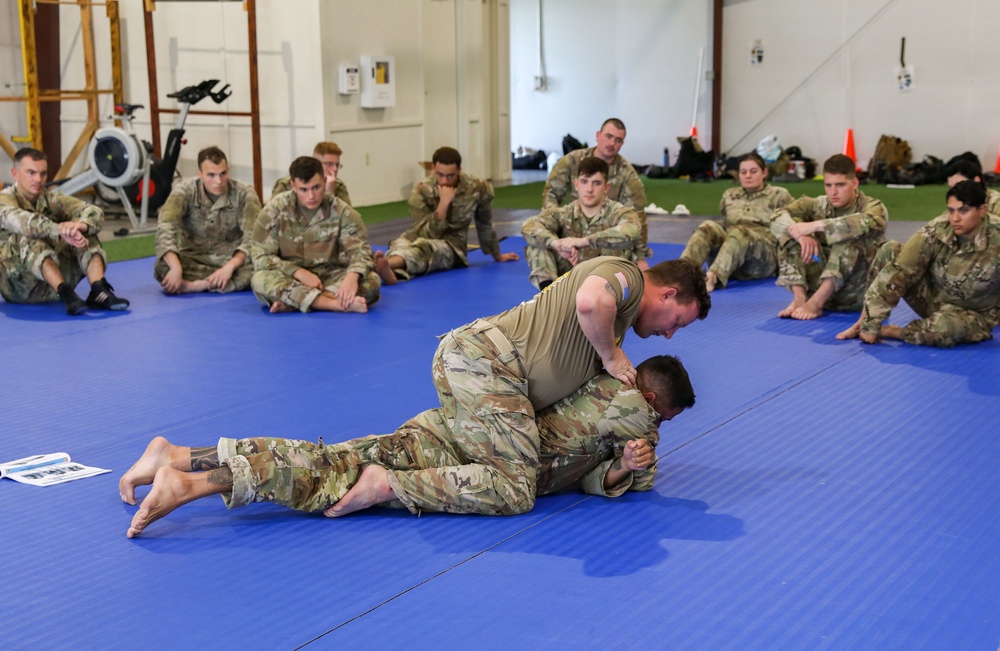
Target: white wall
pixel 442 82
pixel 633 59
pixel 952 47
pixel 645 74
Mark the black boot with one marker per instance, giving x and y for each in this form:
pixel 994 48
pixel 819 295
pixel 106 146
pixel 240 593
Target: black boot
pixel 103 298
pixel 74 304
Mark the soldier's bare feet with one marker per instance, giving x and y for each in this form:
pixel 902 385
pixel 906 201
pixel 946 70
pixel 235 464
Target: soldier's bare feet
pixel 710 281
pixel 278 307
pixel 156 456
pixel 371 488
pixel 171 489
pixel 193 286
pixel 383 269
pixel 794 305
pixel 852 332
pixel 358 305
pixel 807 312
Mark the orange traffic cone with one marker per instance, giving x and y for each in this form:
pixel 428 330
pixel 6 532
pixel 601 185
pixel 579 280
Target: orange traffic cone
pixel 694 131
pixel 996 169
pixel 849 146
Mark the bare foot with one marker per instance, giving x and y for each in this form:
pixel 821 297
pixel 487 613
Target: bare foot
pixel 852 332
pixel 710 281
pixel 807 312
pixel 156 456
pixel 371 488
pixel 383 269
pixel 278 307
pixel 794 305
pixel 358 305
pixel 193 286
pixel 171 489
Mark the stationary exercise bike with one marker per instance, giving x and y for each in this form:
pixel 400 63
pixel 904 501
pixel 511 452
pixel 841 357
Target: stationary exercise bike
pixel 124 169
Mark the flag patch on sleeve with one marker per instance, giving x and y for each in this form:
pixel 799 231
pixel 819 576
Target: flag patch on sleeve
pixel 623 281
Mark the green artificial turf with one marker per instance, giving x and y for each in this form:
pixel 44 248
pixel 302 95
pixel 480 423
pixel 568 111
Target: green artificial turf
pixel 130 248
pixel 915 204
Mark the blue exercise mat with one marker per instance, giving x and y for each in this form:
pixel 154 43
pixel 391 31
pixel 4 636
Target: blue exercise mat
pixel 820 494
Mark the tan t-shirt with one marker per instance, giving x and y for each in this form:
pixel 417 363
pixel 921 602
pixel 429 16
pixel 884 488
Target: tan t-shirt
pixel 558 357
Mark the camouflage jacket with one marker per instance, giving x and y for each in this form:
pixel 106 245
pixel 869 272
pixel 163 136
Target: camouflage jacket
pixel 625 187
pixel 583 434
pixel 40 220
pixel 284 184
pixel 965 274
pixel 864 217
pixel 473 202
pixel 191 225
pixel 283 240
pixel 753 209
pixel 615 230
pixel 992 201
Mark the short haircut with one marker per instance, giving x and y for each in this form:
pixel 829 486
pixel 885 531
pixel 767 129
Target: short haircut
pixel 970 193
pixel 967 168
pixel 327 149
pixel 615 122
pixel 840 164
pixel 754 158
pixel 29 152
pixel 665 376
pixel 447 156
pixel 687 277
pixel 212 154
pixel 592 165
pixel 304 168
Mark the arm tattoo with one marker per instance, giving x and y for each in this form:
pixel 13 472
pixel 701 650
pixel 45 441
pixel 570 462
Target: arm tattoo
pixel 610 290
pixel 220 476
pixel 204 459
pixel 617 465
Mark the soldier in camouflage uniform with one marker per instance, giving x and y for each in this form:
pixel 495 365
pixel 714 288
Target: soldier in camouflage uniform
pixel 624 185
pixel 825 245
pixel 329 154
pixel 967 170
pixel 948 272
pixel 744 247
pixel 602 438
pixel 442 207
pixel 203 231
pixel 494 374
pixel 310 250
pixel 590 226
pixel 48 242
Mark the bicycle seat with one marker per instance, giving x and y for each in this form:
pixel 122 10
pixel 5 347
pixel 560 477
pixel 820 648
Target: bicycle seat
pixel 127 109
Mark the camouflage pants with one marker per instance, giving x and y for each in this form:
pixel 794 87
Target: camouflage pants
pixel 483 391
pixel 941 324
pixel 310 476
pixel 547 265
pixel 740 252
pixel 271 286
pixel 422 256
pixel 199 269
pixel 846 263
pixel 21 260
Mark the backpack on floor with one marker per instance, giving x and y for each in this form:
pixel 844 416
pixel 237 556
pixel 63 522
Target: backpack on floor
pixel 891 156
